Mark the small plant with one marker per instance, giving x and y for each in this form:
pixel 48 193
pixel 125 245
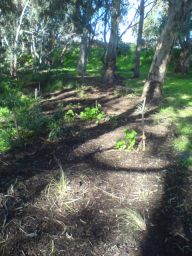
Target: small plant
pixel 128 141
pixel 131 220
pixel 55 128
pixel 69 115
pixel 58 187
pixel 93 113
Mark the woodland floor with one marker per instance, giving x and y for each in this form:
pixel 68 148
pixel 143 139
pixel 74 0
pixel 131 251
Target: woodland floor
pixel 101 183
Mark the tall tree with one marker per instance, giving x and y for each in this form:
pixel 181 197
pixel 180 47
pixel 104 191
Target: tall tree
pixel 85 16
pixel 139 39
pixel 185 58
pixel 178 9
pixel 111 53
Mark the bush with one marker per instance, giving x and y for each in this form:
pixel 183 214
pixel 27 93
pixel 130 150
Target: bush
pixel 93 113
pixel 20 115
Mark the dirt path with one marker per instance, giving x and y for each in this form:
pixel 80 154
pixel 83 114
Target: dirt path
pixel 110 202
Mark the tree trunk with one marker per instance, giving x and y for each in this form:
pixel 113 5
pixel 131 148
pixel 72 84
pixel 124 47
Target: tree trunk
pixel 13 68
pixel 184 61
pixel 178 10
pixel 83 55
pixel 139 40
pixel 111 53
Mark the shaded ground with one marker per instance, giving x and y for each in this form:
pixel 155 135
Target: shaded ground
pixel 82 218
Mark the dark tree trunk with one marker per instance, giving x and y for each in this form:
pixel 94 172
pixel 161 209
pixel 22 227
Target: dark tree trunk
pixel 139 40
pixel 111 53
pixel 178 9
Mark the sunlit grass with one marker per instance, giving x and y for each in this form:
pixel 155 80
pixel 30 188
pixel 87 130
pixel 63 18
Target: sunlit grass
pixel 131 220
pixel 177 110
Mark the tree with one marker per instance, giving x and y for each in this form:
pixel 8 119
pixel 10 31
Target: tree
pixel 111 53
pixel 184 38
pixel 178 9
pixel 139 39
pixel 85 18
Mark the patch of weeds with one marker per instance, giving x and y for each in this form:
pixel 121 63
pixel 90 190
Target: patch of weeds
pixel 128 141
pixel 131 220
pixel 69 116
pixel 56 129
pixel 93 113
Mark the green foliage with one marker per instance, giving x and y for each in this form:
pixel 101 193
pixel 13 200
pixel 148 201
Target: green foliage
pixel 176 112
pixel 128 141
pixel 20 116
pixel 93 113
pixel 69 115
pixel 56 128
pixel 31 119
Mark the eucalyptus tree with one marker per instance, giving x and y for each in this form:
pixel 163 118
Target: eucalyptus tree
pixel 139 39
pixel 85 16
pixel 145 9
pixel 185 43
pixel 111 53
pixel 178 10
pixel 12 23
pixel 155 20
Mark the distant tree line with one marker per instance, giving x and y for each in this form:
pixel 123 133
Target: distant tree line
pixel 44 28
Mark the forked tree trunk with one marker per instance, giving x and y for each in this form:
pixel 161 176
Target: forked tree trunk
pixel 83 55
pixel 178 9
pixel 111 53
pixel 139 40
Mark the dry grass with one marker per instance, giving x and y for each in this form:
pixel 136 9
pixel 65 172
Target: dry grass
pixel 131 220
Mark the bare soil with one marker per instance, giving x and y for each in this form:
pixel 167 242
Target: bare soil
pixel 101 181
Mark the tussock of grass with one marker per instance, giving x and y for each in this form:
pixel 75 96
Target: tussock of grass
pixel 57 192
pixel 131 220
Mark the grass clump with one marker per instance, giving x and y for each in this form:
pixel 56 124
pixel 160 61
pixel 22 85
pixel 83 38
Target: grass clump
pixel 131 220
pixel 56 191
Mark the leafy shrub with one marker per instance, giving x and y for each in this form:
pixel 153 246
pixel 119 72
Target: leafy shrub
pixel 93 113
pixel 19 115
pixel 55 128
pixel 69 115
pixel 128 141
pixel 32 120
